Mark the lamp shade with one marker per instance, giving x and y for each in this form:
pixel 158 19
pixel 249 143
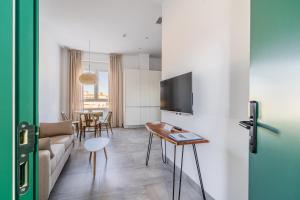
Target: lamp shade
pixel 88 78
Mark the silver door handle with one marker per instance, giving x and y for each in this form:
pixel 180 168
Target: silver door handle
pixel 251 125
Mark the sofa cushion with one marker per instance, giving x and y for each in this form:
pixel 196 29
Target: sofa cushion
pixel 55 129
pixel 45 144
pixel 66 140
pixel 58 150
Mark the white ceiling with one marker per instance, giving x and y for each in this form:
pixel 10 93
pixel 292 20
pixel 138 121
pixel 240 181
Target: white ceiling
pixel 75 22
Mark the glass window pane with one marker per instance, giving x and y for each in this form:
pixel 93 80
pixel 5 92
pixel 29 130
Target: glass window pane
pixel 97 101
pixel 88 92
pixel 102 86
pixel 95 105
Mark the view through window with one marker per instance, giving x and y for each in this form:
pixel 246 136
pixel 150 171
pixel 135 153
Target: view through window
pixel 96 96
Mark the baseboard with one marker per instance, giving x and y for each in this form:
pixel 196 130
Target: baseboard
pixel 134 126
pixel 195 185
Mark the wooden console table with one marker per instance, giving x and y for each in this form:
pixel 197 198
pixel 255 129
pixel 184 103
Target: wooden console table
pixel 158 130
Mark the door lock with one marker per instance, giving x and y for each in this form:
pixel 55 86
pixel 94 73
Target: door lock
pixel 251 125
pixel 25 146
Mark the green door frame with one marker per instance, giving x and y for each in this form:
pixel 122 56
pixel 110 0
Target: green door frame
pixel 6 106
pixel 19 86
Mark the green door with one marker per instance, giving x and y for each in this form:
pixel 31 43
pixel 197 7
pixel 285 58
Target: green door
pixel 6 98
pixel 275 85
pixel 19 86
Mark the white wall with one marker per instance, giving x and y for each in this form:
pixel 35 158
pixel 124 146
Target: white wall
pixel 211 39
pixel 49 76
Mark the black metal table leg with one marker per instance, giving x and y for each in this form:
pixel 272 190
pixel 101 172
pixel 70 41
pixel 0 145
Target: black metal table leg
pixel 149 148
pixel 166 151
pixel 163 152
pixel 180 172
pixel 199 172
pixel 174 172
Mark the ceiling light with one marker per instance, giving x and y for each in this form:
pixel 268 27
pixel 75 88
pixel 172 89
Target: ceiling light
pixel 88 78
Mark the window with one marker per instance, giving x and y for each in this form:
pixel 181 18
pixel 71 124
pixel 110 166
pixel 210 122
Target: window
pixel 96 96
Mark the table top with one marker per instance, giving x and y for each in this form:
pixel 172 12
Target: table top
pixel 88 112
pixel 158 129
pixel 96 144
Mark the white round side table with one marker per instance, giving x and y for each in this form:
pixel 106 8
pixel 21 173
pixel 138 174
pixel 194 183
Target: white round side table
pixel 96 144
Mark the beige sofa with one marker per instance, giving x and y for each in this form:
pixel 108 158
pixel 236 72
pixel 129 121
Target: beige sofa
pixel 61 143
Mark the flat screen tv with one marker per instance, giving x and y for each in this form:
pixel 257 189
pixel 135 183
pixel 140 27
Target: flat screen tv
pixel 176 94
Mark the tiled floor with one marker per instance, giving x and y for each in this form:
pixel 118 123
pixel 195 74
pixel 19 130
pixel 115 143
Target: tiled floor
pixel 124 176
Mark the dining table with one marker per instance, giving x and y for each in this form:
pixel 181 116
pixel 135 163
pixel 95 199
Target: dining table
pixel 88 118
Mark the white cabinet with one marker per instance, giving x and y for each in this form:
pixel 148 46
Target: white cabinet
pixel 132 91
pixel 154 89
pixel 144 88
pixel 132 116
pixel 141 96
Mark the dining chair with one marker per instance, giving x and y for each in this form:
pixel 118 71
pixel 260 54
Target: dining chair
pixel 106 124
pixel 89 120
pixel 75 124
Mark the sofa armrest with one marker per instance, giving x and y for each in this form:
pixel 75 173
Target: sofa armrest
pixel 44 174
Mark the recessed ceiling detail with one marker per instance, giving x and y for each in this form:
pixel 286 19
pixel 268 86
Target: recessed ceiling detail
pixel 159 20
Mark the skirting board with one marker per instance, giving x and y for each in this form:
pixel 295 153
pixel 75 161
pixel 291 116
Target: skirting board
pixel 134 126
pixel 195 185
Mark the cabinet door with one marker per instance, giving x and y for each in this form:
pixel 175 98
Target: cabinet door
pixel 132 116
pixel 154 88
pixel 145 87
pixel 145 115
pixel 132 87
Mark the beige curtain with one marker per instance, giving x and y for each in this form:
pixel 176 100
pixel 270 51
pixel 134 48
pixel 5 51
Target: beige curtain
pixel 116 90
pixel 75 87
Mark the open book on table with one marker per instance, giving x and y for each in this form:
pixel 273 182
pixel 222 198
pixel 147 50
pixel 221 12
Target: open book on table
pixel 180 137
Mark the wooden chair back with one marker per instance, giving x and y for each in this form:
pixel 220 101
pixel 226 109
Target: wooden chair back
pixel 94 118
pixel 64 116
pixel 108 117
pixel 83 118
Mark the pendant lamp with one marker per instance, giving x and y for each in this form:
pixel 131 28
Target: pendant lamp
pixel 88 78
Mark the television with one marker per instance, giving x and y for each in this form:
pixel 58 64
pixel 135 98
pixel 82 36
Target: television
pixel 176 94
